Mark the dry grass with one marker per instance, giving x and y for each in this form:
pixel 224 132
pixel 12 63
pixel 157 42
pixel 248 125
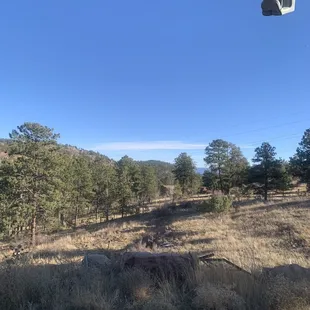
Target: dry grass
pixel 257 235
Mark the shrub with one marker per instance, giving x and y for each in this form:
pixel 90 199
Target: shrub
pixel 236 192
pixel 216 204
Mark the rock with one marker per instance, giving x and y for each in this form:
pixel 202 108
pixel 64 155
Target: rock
pixel 292 272
pixel 96 260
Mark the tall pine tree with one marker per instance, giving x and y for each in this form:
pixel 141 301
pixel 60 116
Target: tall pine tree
pixel 301 161
pixel 184 172
pixel 32 171
pixel 265 169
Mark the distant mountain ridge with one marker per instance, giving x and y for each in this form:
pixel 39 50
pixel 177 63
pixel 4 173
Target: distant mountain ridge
pixel 200 170
pixel 66 148
pixel 163 168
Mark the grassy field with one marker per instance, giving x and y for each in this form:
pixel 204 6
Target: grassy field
pixel 252 236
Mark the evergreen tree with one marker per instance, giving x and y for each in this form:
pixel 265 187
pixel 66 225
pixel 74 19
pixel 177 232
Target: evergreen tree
pixel 301 160
pixel 80 180
pixel 284 180
pixel 227 164
pixel 196 184
pixel 31 173
pixel 184 172
pixel 265 169
pixel 148 184
pixel 135 176
pixel 104 186
pixel 210 180
pixel 124 188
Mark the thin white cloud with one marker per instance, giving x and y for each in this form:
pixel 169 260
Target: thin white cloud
pixel 152 145
pixel 148 145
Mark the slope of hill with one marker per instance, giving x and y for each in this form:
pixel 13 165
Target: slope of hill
pixel 258 235
pixel 162 169
pixel 69 149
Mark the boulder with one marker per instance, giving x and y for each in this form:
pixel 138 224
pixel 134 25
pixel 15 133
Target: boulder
pixel 292 272
pixel 96 260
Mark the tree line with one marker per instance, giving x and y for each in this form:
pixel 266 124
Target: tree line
pixel 230 172
pixel 43 185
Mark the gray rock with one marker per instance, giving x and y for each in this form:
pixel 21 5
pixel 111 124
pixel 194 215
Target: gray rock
pixel 96 260
pixel 292 272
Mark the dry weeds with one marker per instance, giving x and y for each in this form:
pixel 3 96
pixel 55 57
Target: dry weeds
pixel 256 235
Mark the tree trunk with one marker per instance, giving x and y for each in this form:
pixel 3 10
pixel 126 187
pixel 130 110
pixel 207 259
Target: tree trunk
pixel 266 185
pixel 33 228
pixel 107 205
pixel 62 219
pixel 221 181
pixel 97 209
pixel 122 211
pixel 107 212
pixel 76 216
pixel 183 188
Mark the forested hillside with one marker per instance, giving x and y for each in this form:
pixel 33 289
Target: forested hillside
pixel 48 186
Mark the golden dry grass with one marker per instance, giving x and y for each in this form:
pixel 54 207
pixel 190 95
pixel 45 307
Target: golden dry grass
pixel 257 235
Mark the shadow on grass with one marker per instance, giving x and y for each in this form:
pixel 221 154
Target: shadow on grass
pixel 301 204
pixel 201 241
pixel 134 229
pixel 270 206
pixel 70 254
pixel 71 286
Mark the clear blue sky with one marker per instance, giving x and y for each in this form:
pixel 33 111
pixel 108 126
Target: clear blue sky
pixel 153 78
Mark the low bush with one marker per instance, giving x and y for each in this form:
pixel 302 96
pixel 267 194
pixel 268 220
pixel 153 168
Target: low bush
pixel 217 204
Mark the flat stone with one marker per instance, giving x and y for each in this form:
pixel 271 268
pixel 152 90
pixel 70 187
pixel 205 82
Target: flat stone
pixel 96 260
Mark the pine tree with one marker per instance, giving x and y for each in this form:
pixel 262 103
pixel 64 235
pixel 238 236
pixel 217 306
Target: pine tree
pixel 124 188
pixel 227 164
pixel 184 172
pixel 148 190
pixel 264 172
pixel 81 186
pixel 283 177
pixel 196 184
pixel 65 201
pixel 210 180
pixel 135 176
pixel 104 186
pixel 301 161
pixel 31 173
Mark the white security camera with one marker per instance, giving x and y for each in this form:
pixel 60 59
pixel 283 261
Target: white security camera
pixel 278 7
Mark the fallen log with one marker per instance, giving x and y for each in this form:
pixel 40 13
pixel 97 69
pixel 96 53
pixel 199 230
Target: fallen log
pixel 206 257
pixel 210 260
pixel 160 264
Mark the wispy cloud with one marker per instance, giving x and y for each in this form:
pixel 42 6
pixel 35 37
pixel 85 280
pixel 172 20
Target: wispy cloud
pixel 149 145
pixel 152 145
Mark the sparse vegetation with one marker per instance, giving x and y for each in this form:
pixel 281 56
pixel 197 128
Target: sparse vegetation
pixel 217 204
pixel 259 235
pixel 59 198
